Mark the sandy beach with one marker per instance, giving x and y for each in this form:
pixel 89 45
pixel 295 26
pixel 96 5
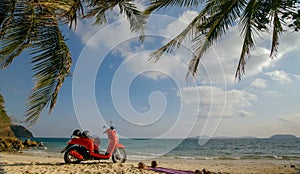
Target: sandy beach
pixel 25 163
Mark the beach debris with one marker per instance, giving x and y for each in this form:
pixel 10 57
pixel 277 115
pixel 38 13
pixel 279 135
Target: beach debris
pixel 293 166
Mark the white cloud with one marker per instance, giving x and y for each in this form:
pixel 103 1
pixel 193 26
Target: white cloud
pixel 140 4
pixel 218 65
pixel 118 25
pixel 288 124
pixel 297 76
pixel 280 76
pixel 215 102
pixel 272 92
pixel 168 67
pixel 225 54
pixel 289 42
pixel 86 30
pixel 291 119
pixel 259 83
pixel 222 60
pixel 177 26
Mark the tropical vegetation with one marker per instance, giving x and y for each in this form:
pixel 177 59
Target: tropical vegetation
pixel 5 121
pixel 35 25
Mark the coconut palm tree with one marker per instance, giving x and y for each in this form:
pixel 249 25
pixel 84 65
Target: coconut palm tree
pixel 217 16
pixel 35 25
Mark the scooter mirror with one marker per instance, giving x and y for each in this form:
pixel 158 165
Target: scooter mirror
pixel 111 122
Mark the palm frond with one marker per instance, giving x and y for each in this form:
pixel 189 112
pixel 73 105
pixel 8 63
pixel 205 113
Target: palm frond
pixel 75 10
pixel 51 61
pixel 7 8
pixel 190 31
pixel 65 10
pixel 158 4
pixel 17 34
pixel 136 20
pixel 98 9
pixel 290 11
pixel 247 24
pixel 277 30
pixel 222 15
pixel 278 7
pixel 194 63
pixel 35 26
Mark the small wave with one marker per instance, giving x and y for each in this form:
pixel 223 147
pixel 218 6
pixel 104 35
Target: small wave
pixel 139 157
pixel 184 157
pixel 277 157
pixel 209 158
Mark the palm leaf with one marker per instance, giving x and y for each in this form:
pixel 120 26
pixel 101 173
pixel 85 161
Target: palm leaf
pixel 136 19
pixel 127 7
pixel 66 10
pixel 223 14
pixel 190 31
pixel 16 34
pixel 247 23
pixel 52 62
pixel 277 27
pixel 158 4
pixel 7 8
pixel 98 9
pixel 35 26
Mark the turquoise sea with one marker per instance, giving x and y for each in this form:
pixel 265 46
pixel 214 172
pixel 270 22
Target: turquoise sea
pixel 232 149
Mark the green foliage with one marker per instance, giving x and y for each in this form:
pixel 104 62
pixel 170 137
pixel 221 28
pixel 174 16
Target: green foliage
pixel 3 115
pixel 34 25
pixel 5 123
pixel 217 16
pixel 126 7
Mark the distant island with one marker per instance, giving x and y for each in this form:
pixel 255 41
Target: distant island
pixel 283 136
pixel 222 137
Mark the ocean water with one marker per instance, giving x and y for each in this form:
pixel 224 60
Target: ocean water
pixel 233 149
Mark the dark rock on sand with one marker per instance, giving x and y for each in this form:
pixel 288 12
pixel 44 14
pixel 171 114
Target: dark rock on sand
pixel 14 144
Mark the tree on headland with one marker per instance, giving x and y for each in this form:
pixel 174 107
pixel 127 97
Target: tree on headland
pixel 35 25
pixel 5 130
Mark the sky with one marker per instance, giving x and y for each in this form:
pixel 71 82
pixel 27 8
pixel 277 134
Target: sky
pixel 113 80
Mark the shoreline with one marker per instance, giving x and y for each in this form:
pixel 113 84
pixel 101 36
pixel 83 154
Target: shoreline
pixel 34 163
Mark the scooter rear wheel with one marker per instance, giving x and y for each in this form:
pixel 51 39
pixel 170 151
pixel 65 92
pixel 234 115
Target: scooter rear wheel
pixel 68 158
pixel 119 155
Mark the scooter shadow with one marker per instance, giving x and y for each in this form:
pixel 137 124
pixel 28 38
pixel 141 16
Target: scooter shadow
pixel 54 164
pixel 95 162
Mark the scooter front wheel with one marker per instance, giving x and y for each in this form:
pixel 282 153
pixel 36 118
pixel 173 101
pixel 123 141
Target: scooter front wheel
pixel 119 155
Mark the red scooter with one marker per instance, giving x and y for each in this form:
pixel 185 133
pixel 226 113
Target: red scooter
pixel 82 147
